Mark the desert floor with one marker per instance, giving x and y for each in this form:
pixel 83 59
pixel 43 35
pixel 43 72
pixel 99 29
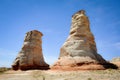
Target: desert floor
pixel 109 74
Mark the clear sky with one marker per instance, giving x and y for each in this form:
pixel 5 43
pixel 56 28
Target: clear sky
pixel 53 19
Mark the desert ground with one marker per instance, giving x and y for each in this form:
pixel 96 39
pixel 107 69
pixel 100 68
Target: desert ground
pixel 109 74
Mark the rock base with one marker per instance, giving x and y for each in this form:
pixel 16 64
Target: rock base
pixel 30 67
pixel 85 66
pixel 81 63
pixel 116 63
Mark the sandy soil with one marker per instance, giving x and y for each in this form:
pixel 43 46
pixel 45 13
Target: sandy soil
pixel 109 74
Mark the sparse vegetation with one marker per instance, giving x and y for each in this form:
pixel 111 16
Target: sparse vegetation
pixel 109 74
pixel 89 79
pixel 38 75
pixel 3 69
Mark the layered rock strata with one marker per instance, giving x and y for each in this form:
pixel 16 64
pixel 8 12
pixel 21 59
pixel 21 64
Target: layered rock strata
pixel 31 56
pixel 79 51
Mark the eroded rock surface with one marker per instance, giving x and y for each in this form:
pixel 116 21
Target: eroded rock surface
pixel 79 50
pixel 31 56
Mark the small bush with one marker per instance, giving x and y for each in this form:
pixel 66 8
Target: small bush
pixel 89 79
pixel 3 69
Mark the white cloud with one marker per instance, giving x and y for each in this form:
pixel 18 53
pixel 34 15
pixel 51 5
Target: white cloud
pixel 50 59
pixel 6 57
pixel 5 63
pixel 107 44
pixel 117 45
pixel 103 44
pixel 5 52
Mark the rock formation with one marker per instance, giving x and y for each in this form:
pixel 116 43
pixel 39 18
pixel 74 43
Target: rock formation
pixel 30 56
pixel 116 61
pixel 79 51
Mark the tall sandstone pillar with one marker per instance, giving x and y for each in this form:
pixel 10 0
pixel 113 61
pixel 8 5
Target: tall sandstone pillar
pixel 79 51
pixel 30 56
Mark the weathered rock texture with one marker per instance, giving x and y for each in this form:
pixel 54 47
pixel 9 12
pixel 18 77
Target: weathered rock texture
pixel 30 56
pixel 79 51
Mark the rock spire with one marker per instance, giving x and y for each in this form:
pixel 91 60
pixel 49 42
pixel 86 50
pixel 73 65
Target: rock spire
pixel 31 56
pixel 79 50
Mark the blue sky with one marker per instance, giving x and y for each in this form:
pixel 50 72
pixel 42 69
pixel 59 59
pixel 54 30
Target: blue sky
pixel 53 19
